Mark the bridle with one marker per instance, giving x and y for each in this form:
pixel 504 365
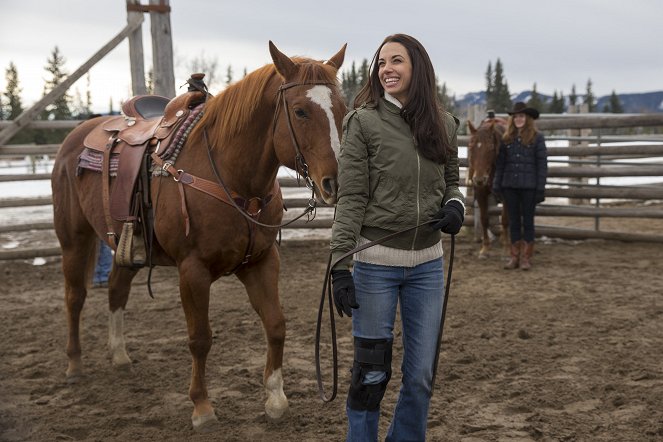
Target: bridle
pixel 301 167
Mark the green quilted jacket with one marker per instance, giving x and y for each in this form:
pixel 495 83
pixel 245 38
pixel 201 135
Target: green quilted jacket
pixel 385 185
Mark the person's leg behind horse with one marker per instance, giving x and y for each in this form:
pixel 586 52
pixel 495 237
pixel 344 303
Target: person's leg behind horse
pixel 104 265
pixel 513 200
pixel 377 289
pixel 421 298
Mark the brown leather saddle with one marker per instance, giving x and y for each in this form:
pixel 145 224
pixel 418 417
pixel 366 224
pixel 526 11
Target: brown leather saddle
pixel 148 121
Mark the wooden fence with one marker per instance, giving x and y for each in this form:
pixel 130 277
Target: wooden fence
pixel 598 157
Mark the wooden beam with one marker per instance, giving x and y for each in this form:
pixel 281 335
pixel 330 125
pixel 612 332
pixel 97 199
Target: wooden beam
pixel 28 149
pixel 635 149
pixel 29 114
pixel 162 52
pixel 136 57
pixel 600 121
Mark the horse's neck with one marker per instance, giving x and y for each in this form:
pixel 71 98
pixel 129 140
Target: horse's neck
pixel 248 163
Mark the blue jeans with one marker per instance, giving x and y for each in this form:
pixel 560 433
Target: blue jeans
pixel 420 291
pixel 104 264
pixel 520 205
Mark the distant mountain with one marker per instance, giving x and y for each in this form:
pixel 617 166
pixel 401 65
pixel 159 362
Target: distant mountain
pixel 632 103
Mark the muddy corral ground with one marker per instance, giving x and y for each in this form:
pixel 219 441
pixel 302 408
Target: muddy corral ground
pixel 570 351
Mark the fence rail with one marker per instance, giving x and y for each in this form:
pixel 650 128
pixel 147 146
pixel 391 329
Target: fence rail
pixel 593 160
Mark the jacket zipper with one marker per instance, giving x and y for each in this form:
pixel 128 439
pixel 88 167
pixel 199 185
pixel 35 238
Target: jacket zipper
pixel 416 231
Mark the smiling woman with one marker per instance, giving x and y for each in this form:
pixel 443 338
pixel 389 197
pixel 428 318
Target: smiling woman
pixel 398 168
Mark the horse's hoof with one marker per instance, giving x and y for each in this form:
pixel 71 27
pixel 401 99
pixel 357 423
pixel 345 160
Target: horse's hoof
pixel 206 423
pixel 121 360
pixel 276 407
pixel 73 378
pixel 483 256
pixel 74 372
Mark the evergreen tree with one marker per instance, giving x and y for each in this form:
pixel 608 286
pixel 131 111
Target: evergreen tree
pixel 557 103
pixel 353 80
pixel 589 98
pixel 489 86
pixel 229 75
pixel 82 107
pixel 59 109
pixel 111 111
pixel 12 106
pixel 448 103
pixel 349 84
pixel 364 73
pixel 573 97
pixel 535 100
pixel 615 104
pixel 501 96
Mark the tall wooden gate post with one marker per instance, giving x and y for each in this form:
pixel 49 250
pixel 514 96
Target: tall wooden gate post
pixel 162 48
pixel 136 57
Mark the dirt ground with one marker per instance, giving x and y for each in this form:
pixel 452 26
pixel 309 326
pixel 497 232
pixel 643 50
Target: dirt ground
pixel 570 351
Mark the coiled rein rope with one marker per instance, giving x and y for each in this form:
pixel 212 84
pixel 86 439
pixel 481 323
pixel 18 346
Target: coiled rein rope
pixel 326 292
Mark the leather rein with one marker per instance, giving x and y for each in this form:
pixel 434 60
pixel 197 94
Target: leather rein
pixel 327 292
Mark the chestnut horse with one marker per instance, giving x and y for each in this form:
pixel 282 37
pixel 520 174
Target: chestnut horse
pixel 482 152
pixel 286 113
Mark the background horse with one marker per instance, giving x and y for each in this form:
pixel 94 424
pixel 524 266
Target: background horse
pixel 289 113
pixel 481 155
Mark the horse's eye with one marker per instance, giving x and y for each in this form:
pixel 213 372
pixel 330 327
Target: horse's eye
pixel 300 113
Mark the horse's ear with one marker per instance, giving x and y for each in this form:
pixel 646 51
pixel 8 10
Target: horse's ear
pixel 337 60
pixel 284 65
pixel 473 129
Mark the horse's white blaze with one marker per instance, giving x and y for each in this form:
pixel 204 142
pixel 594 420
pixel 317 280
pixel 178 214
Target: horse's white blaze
pixel 116 343
pixel 321 95
pixel 276 403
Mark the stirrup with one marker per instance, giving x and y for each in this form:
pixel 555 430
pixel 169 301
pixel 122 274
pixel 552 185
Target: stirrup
pixel 130 252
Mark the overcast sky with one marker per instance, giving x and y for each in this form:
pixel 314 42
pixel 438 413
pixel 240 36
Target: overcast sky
pixel 555 43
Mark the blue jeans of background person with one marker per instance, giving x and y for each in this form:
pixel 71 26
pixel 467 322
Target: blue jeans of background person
pixel 420 291
pixel 104 264
pixel 520 205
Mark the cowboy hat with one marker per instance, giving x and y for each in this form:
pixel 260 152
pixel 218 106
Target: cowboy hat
pixel 521 108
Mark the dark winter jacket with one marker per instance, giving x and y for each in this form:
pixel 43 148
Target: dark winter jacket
pixel 520 166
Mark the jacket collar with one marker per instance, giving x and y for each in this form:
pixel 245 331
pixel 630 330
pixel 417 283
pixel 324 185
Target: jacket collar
pixel 393 100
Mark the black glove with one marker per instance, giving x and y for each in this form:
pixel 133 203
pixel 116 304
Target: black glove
pixel 540 196
pixel 344 292
pixel 450 217
pixel 498 196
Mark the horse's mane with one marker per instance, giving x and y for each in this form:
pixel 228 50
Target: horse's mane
pixel 232 110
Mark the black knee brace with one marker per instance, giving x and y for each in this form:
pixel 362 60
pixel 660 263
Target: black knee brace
pixel 370 355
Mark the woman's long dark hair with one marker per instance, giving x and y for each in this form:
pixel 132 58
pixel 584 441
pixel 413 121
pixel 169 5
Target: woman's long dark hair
pixel 423 110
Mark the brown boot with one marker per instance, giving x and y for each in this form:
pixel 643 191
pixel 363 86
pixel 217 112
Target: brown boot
pixel 515 256
pixel 526 255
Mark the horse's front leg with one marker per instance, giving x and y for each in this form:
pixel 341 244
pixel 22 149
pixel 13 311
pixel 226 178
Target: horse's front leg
pixel 119 286
pixel 195 281
pixel 485 225
pixel 261 282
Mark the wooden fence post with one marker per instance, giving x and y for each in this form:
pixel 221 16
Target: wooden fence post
pixel 578 109
pixel 162 50
pixel 136 57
